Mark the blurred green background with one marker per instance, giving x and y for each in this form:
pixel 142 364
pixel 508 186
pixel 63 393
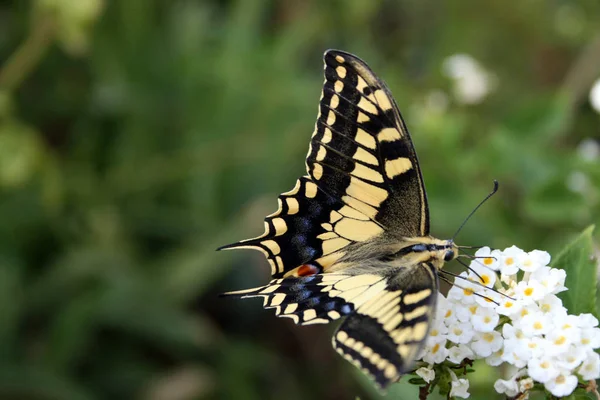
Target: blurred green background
pixel 136 136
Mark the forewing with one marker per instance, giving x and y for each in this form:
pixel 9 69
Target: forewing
pixel 364 177
pixel 317 299
pixel 361 151
pixel 385 334
pixel 309 228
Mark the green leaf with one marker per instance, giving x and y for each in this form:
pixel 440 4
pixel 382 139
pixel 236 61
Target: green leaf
pixel 580 265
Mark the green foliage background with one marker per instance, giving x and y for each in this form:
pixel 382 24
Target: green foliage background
pixel 136 136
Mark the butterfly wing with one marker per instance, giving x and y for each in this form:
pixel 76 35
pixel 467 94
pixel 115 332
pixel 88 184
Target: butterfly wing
pixel 363 189
pixel 317 299
pixel 364 178
pixel 361 151
pixel 385 334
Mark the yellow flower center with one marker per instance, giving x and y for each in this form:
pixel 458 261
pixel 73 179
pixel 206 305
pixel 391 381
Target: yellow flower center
pixel 434 332
pixel 509 261
pixel 487 320
pixel 508 304
pixel 560 340
pixel 538 325
pixel 468 292
pixel 546 307
pixel 488 261
pixel 435 348
pixel 519 335
pixel 560 379
pixel 528 291
pixel 545 365
pixel 473 309
pixel 488 337
pixel 585 341
pixel 448 314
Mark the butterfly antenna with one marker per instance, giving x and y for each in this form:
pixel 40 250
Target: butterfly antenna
pixel 491 289
pixel 460 287
pixel 477 208
pixel 470 269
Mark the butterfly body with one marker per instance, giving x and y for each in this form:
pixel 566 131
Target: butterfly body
pixel 351 239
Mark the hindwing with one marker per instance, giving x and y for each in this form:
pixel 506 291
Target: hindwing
pixel 317 299
pixel 385 334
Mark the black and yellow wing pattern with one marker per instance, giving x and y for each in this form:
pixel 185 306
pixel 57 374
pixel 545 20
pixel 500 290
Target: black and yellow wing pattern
pixel 348 239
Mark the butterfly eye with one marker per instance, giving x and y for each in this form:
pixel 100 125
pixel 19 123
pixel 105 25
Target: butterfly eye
pixel 449 256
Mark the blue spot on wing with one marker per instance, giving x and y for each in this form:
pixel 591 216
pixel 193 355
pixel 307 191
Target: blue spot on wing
pixel 346 309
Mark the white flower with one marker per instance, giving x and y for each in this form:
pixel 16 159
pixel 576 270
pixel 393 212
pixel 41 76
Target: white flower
pixel 590 338
pixel 472 82
pixel 513 353
pixel 459 387
pixel 552 304
pixel 532 347
pixel 526 310
pixel 509 306
pixel 558 341
pixel 595 96
pixel 542 369
pixel 438 330
pixel 588 149
pixel 590 369
pixel 535 323
pixel 509 261
pixel 534 260
pixel 435 351
pixel 457 354
pixel 445 310
pixel 488 298
pixel 586 321
pixel 427 373
pixel 465 312
pixel 530 291
pixel 508 387
pixel 485 343
pixel 562 385
pixel 489 258
pixel 495 359
pixel 485 319
pixel 572 358
pixel 536 336
pixel 460 332
pixel 553 279
pixel 462 291
pixel 481 274
pixel 567 324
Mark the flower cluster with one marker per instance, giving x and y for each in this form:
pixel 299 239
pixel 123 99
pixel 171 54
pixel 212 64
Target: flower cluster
pixel 505 310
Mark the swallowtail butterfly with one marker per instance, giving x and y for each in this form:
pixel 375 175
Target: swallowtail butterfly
pixel 351 239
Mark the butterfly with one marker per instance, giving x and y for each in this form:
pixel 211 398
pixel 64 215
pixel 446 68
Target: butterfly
pixel 351 239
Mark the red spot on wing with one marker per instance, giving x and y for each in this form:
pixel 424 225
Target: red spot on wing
pixel 308 270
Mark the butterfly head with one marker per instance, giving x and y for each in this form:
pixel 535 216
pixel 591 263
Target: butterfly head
pixel 443 251
pixel 429 250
